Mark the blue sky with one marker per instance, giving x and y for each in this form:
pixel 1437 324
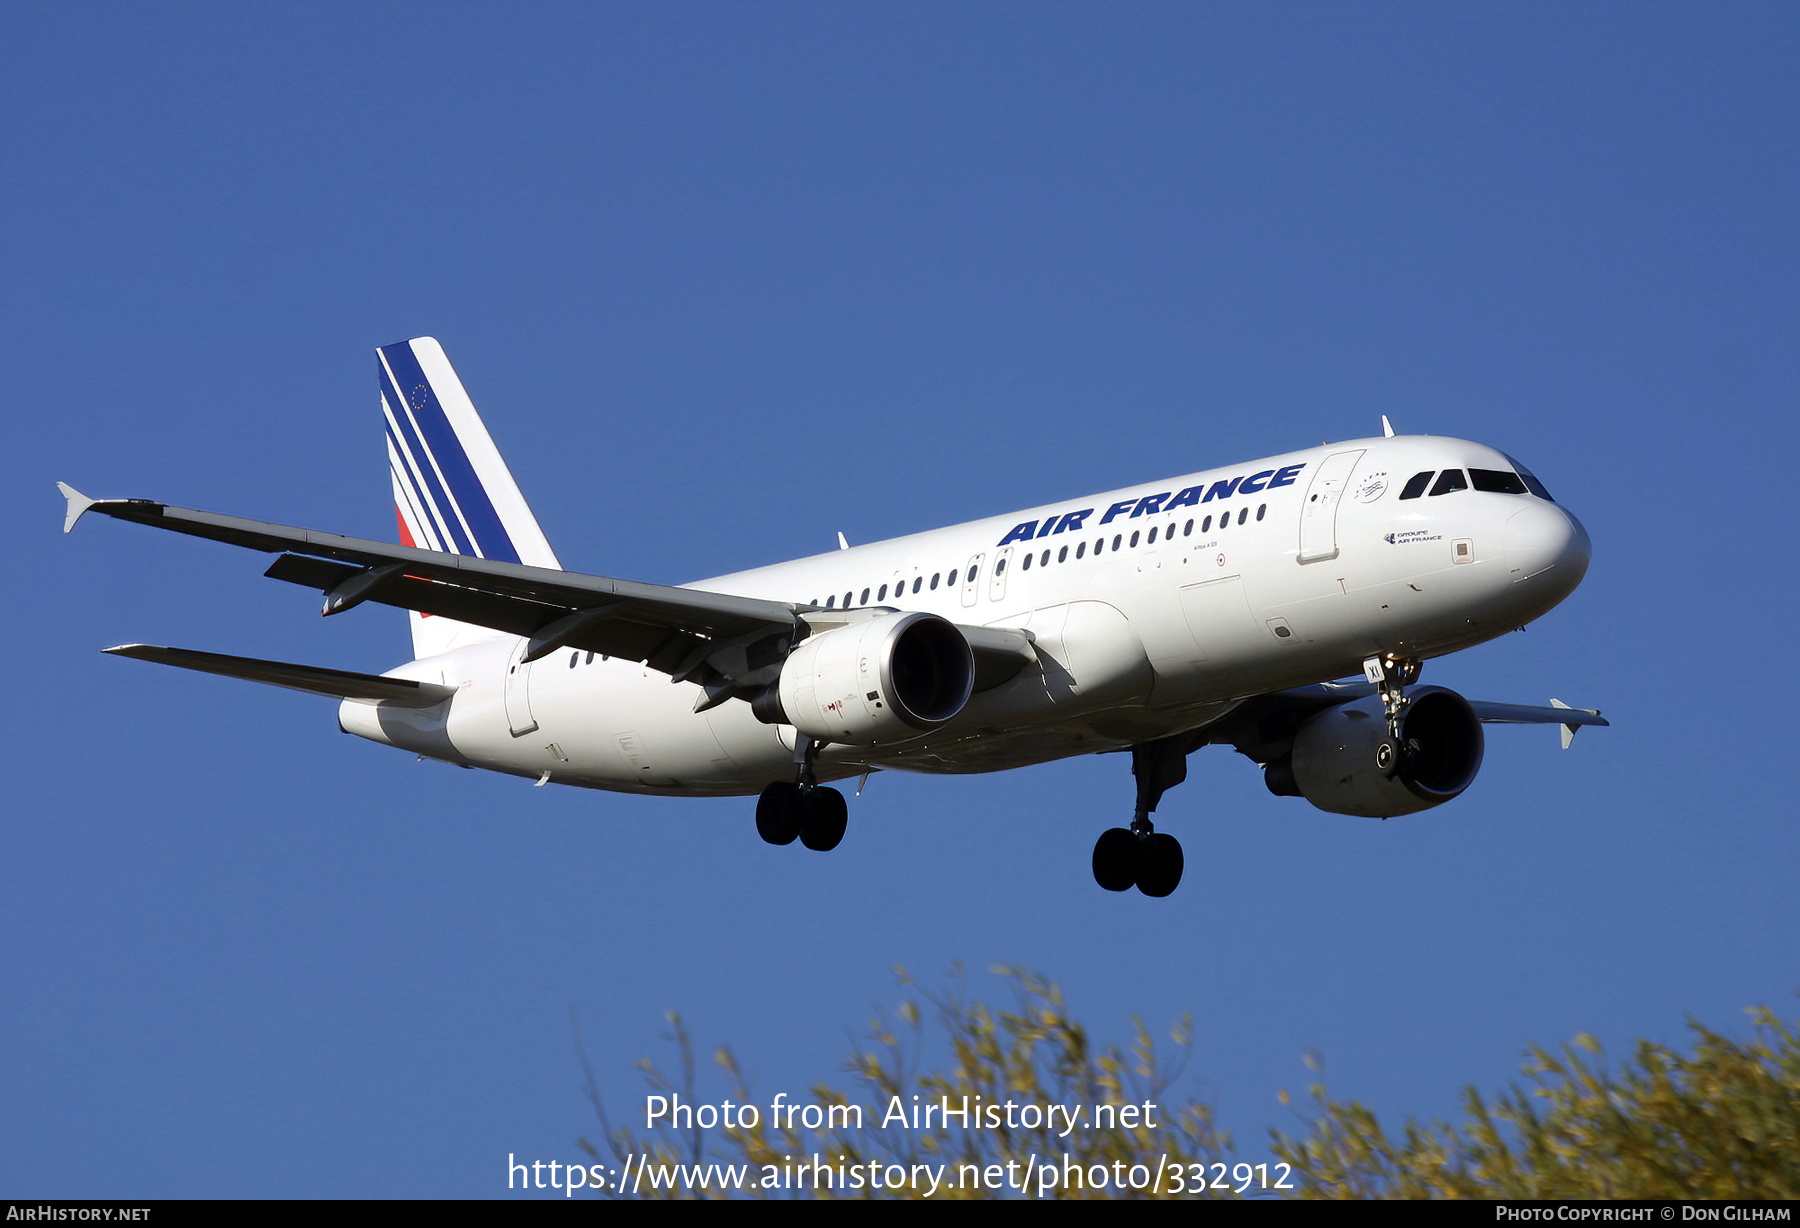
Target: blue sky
pixel 726 280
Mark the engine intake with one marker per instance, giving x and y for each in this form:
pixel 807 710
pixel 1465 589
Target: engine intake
pixel 891 677
pixel 1344 761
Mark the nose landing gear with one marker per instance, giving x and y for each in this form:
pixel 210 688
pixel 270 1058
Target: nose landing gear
pixel 804 808
pixel 1392 675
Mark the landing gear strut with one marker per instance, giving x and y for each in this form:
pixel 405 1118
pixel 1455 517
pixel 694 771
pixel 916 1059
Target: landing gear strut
pixel 802 807
pixel 1141 856
pixel 1392 675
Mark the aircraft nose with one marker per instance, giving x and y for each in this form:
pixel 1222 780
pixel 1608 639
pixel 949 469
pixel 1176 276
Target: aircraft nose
pixel 1541 538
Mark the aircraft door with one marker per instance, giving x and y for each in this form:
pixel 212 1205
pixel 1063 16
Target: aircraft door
pixel 997 580
pixel 1318 515
pixel 971 593
pixel 517 693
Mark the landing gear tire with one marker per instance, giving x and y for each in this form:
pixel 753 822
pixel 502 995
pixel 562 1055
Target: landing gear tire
pixel 1159 864
pixel 1116 859
pixel 781 812
pixel 827 814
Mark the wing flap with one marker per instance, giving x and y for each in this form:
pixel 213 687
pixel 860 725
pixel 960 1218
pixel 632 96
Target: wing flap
pixel 631 633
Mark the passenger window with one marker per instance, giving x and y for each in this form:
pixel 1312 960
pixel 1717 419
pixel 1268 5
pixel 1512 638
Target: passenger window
pixel 1497 481
pixel 1224 520
pixel 1206 526
pixel 951 582
pixel 1026 565
pixel 1152 537
pixel 573 657
pixel 1117 538
pixel 1243 514
pixel 1416 484
pixel 1261 508
pixel 934 580
pixel 1080 549
pixel 590 659
pixel 865 598
pixel 1134 538
pixel 1189 530
pixel 1450 480
pixel 847 597
pixel 1062 556
pixel 830 602
pixel 917 581
pixel 1045 561
pixel 973 572
pixel 1099 546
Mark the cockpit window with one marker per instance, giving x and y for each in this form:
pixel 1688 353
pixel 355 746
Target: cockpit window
pixel 1416 484
pixel 1531 483
pixel 1449 480
pixel 1497 481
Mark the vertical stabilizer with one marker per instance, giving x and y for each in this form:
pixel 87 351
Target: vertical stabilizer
pixel 452 491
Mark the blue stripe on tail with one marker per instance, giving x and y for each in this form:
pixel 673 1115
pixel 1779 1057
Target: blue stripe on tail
pixel 427 490
pixel 490 538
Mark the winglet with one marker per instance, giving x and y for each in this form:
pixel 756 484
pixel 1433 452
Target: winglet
pixel 1568 731
pixel 78 503
pixel 1387 428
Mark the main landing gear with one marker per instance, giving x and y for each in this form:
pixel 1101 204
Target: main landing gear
pixel 1141 856
pixel 803 808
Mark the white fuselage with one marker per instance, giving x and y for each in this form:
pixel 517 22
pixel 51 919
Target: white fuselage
pixel 1149 617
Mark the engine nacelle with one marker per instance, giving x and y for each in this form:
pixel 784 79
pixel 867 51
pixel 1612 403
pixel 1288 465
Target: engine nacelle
pixel 1339 756
pixel 882 680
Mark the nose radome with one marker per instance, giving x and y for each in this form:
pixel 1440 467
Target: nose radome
pixel 1542 536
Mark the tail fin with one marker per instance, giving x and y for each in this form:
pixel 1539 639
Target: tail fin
pixel 452 491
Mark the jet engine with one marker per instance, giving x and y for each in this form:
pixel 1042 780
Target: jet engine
pixel 888 678
pixel 1344 760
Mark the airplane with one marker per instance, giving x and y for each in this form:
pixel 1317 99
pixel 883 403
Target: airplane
pixel 1283 607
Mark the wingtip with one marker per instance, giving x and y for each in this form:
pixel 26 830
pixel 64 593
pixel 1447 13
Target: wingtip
pixel 78 503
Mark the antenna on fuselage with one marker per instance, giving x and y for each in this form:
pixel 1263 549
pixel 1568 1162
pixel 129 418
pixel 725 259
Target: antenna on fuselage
pixel 1387 428
pixel 843 544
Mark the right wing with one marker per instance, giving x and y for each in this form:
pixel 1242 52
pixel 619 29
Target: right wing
pixel 1262 728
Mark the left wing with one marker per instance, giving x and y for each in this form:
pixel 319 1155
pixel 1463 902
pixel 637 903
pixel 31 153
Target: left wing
pixel 730 645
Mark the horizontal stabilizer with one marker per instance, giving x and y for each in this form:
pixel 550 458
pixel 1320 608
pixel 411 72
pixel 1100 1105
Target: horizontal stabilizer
pixel 338 683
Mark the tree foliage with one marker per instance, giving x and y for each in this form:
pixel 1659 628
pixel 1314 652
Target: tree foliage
pixel 1034 1053
pixel 1721 1122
